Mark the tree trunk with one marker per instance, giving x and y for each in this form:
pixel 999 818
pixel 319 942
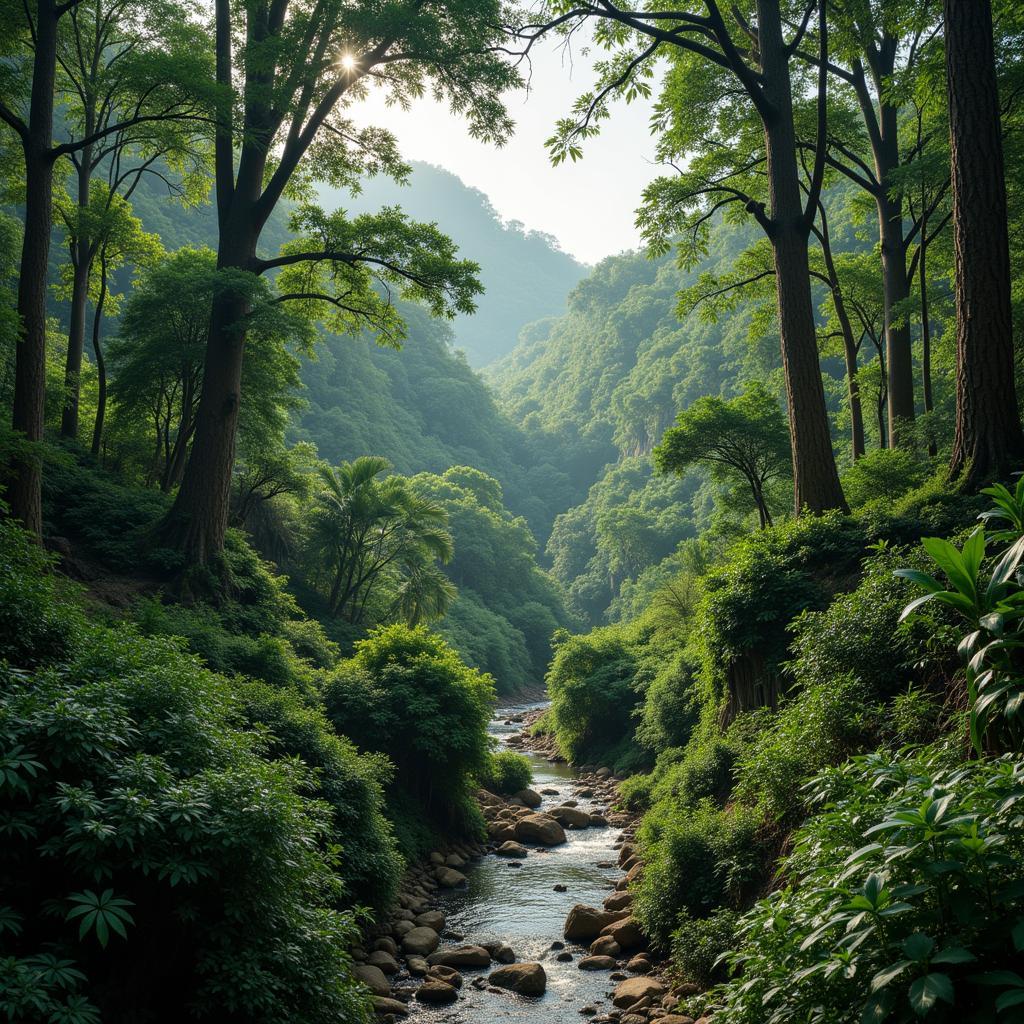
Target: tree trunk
pixel 815 478
pixel 82 254
pixel 988 441
pixel 101 366
pixel 926 342
pixel 896 290
pixel 25 494
pixel 198 520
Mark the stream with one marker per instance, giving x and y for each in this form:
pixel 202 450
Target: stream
pixel 518 905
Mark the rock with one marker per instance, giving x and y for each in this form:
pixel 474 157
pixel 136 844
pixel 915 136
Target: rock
pixel 421 941
pixel 417 966
pixel 605 945
pixel 539 828
pixel 527 979
pixel 675 1018
pixel 453 860
pixel 557 944
pixel 461 956
pixel 373 978
pixel 584 923
pixel 584 794
pixel 450 878
pixel 511 849
pixel 639 965
pixel 529 798
pixel 618 901
pixel 571 817
pixel 437 858
pixel 632 990
pixel 385 961
pixel 603 773
pixel 448 975
pixel 597 963
pixel 598 821
pixel 430 919
pixel 626 932
pixel 564 958
pixel 625 853
pixel 633 1018
pixel 433 991
pixel 588 1011
pixel 560 888
pixel 382 1005
pixel 402 928
pixel 387 944
pixel 500 832
pixel 550 792
pixel 500 952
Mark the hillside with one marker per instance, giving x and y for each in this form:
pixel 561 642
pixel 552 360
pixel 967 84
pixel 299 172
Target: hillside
pixel 524 273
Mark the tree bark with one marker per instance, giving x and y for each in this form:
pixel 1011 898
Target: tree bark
pixel 926 341
pixel 988 441
pixel 815 478
pixel 101 365
pixel 895 290
pixel 25 494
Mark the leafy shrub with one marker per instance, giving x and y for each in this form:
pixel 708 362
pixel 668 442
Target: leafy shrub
pixel 407 694
pixel 590 683
pixel 696 860
pixel 699 942
pixel 886 473
pixel 670 708
pixel 506 773
pixel 35 628
pixel 904 900
pixel 350 783
pixel 154 865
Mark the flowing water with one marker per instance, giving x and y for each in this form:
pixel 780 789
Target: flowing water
pixel 519 906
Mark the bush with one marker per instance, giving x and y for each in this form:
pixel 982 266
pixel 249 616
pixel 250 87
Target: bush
pixel 904 899
pixel 696 861
pixel 886 473
pixel 699 942
pixel 154 865
pixel 406 694
pixel 507 773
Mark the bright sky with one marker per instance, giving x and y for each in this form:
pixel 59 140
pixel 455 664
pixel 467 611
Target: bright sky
pixel 588 206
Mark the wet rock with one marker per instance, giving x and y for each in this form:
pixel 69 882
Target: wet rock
pixel 385 961
pixel 421 941
pixel 557 944
pixel 598 821
pixel 433 991
pixel 402 928
pixel 570 817
pixel 417 966
pixel 560 888
pixel 386 943
pixel 597 963
pixel 539 828
pixel 500 952
pixel 633 1018
pixel 588 1011
pixel 526 979
pixel 639 965
pixel 550 792
pixel 626 932
pixel 453 860
pixel 605 945
pixel 618 901
pixel 461 956
pixel 449 878
pixel 430 919
pixel 584 923
pixel 373 978
pixel 511 849
pixel 584 794
pixel 633 990
pixel 528 798
pixel 603 773
pixel 448 975
pixel 383 1005
pixel 564 958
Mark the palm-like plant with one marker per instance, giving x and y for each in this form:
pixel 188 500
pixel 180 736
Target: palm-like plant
pixel 366 530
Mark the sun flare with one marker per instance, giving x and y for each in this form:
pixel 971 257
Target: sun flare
pixel 347 62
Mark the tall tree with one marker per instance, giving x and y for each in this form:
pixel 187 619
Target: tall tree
pixel 988 440
pixel 116 57
pixel 288 70
pixel 29 79
pixel 744 65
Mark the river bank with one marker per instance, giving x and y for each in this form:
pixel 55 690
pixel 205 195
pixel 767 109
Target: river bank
pixel 532 926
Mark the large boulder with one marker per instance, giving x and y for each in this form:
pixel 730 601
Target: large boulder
pixel 421 941
pixel 511 849
pixel 632 990
pixel 584 923
pixel 430 919
pixel 384 960
pixel 529 798
pixel 435 991
pixel 539 828
pixel 461 956
pixel 382 1006
pixel 570 817
pixel 373 978
pixel 605 945
pixel 597 963
pixel 626 933
pixel 449 878
pixel 618 901
pixel 527 979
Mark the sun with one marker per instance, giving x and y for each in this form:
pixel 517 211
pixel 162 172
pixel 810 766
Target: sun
pixel 347 62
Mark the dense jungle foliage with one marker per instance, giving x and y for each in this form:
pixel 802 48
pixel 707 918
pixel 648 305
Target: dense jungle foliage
pixel 308 461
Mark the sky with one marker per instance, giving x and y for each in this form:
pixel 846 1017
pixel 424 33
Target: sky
pixel 588 206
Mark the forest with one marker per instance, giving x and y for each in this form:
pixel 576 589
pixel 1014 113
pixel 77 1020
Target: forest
pixel 348 523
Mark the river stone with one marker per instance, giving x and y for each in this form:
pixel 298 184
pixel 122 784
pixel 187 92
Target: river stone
pixel 453 860
pixel 461 956
pixel 529 798
pixel 500 952
pixel 373 978
pixel 571 817
pixel 402 928
pixel 639 965
pixel 584 923
pixel 383 1005
pixel 431 919
pixel 605 945
pixel 433 991
pixel 417 965
pixel 384 960
pixel 511 849
pixel 632 990
pixel 675 1018
pixel 626 933
pixel 450 878
pixel 625 853
pixel 437 858
pixel 539 828
pixel 598 821
pixel 550 792
pixel 421 941
pixel 597 963
pixel 448 975
pixel 603 773
pixel 618 901
pixel 386 943
pixel 565 957
pixel 527 979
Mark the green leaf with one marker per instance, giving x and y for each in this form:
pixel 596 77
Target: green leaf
pixel 927 991
pixel 918 946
